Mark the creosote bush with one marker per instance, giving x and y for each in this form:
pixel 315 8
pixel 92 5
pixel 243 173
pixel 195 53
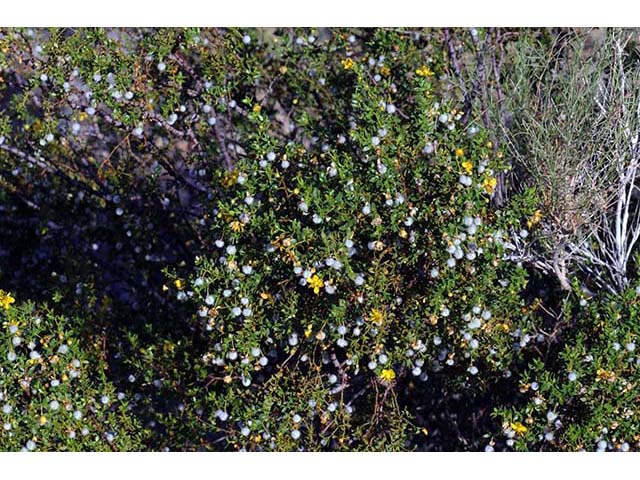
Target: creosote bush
pixel 360 262
pixel 288 240
pixel 588 400
pixel 55 395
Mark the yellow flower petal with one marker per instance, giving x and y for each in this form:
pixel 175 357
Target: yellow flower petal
pixel 6 300
pixel 316 283
pixel 376 316
pixel 388 375
pixel 518 427
pixel 489 184
pixel 424 72
pixel 347 64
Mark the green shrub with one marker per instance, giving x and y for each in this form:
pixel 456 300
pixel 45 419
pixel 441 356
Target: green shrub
pixel 362 262
pixel 293 239
pixel 584 395
pixel 55 394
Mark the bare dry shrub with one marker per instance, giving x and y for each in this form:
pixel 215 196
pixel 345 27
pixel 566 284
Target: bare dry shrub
pixel 574 138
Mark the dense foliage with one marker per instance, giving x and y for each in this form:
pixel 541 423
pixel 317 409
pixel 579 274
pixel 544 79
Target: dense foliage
pixel 288 239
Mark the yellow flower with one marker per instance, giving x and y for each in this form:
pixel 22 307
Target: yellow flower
pixel 535 219
pixel 237 226
pixel 518 427
pixel 424 72
pixel 316 283
pixel 283 69
pixel 376 316
pixel 459 152
pixel 257 108
pixel 604 375
pixel 179 284
pixel 468 166
pixel 230 179
pixel 347 64
pixel 308 330
pixel 6 299
pixel 489 184
pixel 387 375
pixel 43 420
pixel 385 71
